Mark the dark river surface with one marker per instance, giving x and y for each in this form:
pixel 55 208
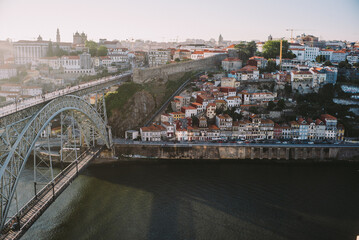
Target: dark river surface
pixel 205 201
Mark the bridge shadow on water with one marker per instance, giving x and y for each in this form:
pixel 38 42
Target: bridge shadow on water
pixel 211 201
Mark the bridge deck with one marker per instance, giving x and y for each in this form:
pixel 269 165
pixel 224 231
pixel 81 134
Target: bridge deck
pixel 36 206
pixel 79 90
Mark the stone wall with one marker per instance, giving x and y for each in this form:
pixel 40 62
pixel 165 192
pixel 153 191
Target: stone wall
pixel 163 72
pixel 236 152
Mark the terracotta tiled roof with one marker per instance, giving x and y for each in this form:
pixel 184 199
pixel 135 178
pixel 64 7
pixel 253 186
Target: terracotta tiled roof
pixel 166 123
pixel 189 108
pixel 231 46
pixel 153 128
pixel 328 116
pixel 231 59
pixel 268 121
pixel 198 52
pixel 301 72
pixel 293 123
pixel 196 104
pixel 248 68
pixel 318 122
pixel 213 127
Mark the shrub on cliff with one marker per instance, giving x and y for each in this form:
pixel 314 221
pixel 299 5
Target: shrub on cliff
pixel 116 100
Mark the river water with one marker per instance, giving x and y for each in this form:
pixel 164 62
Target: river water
pixel 205 201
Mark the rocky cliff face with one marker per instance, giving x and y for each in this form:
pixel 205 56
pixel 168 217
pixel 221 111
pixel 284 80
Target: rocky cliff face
pixel 141 103
pixel 137 109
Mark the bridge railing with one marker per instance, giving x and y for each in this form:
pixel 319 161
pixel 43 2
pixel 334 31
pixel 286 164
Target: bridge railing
pixel 45 190
pixel 49 96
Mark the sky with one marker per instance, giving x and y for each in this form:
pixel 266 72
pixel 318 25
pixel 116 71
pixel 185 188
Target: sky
pixel 164 20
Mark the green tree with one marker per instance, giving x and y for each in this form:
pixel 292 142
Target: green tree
pixel 271 66
pixel 75 53
pixel 287 89
pixel 345 64
pixel 177 60
pixel 320 58
pixel 326 93
pixel 281 104
pixel 243 52
pixel 195 121
pixel 252 48
pixel 327 63
pixel 246 50
pixel 101 51
pixel 50 52
pixel 253 110
pixel 271 106
pixel 59 52
pixel 271 49
pixel 92 46
pixel 220 110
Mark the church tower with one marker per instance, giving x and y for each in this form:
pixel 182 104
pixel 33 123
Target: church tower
pixel 220 39
pixel 58 36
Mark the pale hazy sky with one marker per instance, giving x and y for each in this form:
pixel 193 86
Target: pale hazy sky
pixel 165 19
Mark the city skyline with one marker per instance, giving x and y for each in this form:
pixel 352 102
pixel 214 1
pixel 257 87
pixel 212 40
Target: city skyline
pixel 126 20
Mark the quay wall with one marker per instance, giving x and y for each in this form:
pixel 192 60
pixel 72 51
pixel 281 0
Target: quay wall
pixel 330 153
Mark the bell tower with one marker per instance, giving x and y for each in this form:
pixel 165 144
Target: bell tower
pixel 58 36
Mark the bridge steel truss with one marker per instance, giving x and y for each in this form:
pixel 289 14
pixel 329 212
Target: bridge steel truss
pixel 21 114
pixel 18 139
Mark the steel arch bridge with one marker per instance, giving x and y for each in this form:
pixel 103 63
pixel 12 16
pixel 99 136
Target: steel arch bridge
pixel 18 140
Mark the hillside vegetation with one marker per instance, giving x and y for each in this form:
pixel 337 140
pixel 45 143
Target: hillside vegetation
pixel 132 104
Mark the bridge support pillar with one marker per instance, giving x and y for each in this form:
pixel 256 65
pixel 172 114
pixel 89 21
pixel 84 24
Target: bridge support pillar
pixel 252 152
pixel 270 153
pixel 295 153
pixel 278 153
pixel 305 153
pixel 313 153
pixel 287 151
pixel 260 153
pixel 247 152
pixel 321 153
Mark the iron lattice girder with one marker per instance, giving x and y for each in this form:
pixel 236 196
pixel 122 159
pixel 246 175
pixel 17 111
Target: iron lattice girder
pixel 20 150
pixel 29 111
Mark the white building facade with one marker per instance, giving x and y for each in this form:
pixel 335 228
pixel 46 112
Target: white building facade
pixel 28 51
